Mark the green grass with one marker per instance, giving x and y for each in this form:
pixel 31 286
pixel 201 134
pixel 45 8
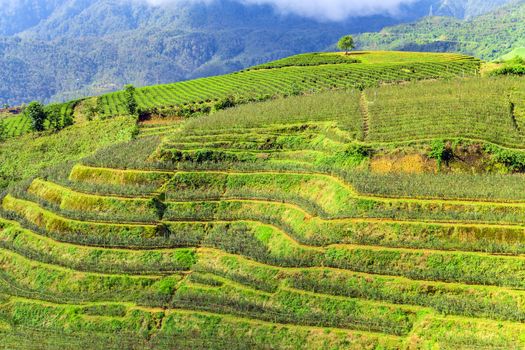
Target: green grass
pixel 25 156
pixel 265 224
pixel 519 52
pixel 260 83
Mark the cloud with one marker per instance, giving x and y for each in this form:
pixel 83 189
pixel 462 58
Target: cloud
pixel 324 10
pixel 333 10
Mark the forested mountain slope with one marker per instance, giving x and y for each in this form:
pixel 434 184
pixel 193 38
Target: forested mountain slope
pixel 63 49
pixel 488 36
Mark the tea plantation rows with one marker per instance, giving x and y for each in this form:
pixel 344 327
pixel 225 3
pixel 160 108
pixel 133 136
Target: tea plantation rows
pixel 303 73
pixel 261 226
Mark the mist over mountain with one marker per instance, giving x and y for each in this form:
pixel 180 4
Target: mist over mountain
pixel 63 49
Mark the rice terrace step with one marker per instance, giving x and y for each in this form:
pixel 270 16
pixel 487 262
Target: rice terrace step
pixel 365 201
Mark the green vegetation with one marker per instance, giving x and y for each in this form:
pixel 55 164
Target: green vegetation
pixel 516 53
pixel 375 216
pixel 288 78
pixel 514 66
pixel 53 117
pixel 25 156
pixel 307 59
pixel 16 125
pixel 473 108
pixel 346 44
pixel 3 134
pixel 130 100
pixel 37 116
pixel 488 36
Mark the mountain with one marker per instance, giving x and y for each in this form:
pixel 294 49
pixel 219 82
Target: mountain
pixel 465 8
pixel 488 36
pixel 62 49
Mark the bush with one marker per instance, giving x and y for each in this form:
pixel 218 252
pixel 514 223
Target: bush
pixel 441 151
pixel 35 112
pixel 514 69
pixel 227 102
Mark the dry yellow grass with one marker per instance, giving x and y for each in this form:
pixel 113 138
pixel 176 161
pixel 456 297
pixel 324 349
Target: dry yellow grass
pixel 410 164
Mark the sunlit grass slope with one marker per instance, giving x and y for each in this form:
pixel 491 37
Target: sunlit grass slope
pixel 303 73
pixel 265 226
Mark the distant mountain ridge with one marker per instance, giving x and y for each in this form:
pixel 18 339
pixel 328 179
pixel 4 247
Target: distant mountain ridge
pixel 487 36
pixel 466 9
pixel 63 49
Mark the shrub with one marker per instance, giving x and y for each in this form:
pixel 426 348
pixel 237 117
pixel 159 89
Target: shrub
pixel 35 112
pixel 515 69
pixel 441 152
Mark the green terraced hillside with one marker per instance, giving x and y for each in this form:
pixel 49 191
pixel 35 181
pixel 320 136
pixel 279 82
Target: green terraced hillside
pixel 16 125
pixel 306 73
pixel 294 75
pixel 20 124
pixel 385 217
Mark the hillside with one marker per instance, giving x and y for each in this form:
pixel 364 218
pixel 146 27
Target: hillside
pixel 488 36
pixel 352 214
pixel 55 50
pixel 294 75
pixel 519 52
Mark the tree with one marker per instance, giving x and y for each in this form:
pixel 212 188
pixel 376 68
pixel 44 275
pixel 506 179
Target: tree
pixel 67 120
pixel 55 121
pixel 35 112
pixel 131 102
pixel 346 43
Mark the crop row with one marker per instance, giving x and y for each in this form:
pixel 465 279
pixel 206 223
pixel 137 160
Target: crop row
pixel 443 297
pixel 28 278
pixel 288 305
pixel 16 126
pixel 446 298
pixel 202 330
pixel 472 108
pixel 269 244
pixel 308 59
pixel 314 230
pixel 281 306
pixel 282 81
pixel 71 326
pixel 318 193
pixel 92 259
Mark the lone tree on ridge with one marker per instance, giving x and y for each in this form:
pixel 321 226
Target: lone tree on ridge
pixel 346 43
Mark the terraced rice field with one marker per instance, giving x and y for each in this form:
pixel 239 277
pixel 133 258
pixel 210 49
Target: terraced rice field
pixel 258 226
pixel 303 73
pixel 241 230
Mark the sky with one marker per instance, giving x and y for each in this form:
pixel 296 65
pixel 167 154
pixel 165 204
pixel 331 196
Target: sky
pixel 325 10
